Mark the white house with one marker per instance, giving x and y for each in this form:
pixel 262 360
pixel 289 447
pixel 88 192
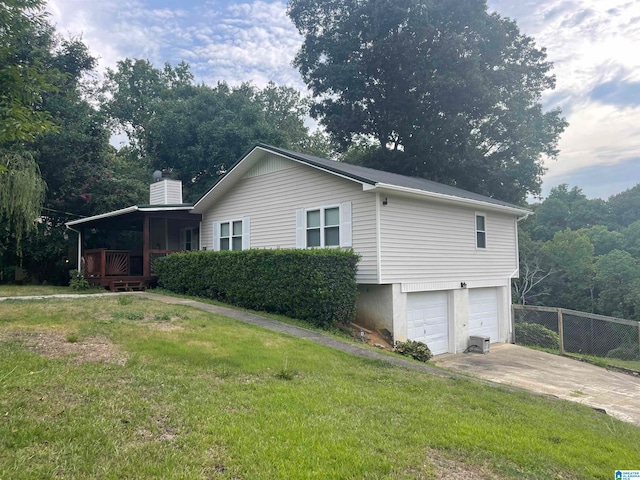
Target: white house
pixel 436 261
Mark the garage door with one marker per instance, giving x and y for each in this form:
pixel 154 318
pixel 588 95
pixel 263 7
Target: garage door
pixel 483 313
pixel 427 320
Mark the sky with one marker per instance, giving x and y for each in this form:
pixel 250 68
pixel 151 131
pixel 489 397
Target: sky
pixel 594 45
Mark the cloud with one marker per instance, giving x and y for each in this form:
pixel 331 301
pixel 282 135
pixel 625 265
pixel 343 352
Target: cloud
pixel 236 42
pixel 594 45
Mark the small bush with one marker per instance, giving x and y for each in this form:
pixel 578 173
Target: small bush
pixel 77 280
pixel 316 285
pixel 625 352
pixel 534 334
pixel 416 350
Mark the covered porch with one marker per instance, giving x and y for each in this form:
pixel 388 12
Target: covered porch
pixel 118 250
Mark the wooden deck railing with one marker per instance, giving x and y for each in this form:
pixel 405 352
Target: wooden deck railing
pixel 100 262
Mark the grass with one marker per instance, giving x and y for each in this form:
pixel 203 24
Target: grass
pixel 604 362
pixel 19 290
pixel 181 393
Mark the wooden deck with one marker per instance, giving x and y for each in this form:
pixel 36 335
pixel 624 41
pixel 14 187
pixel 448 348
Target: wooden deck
pixel 131 283
pixel 119 270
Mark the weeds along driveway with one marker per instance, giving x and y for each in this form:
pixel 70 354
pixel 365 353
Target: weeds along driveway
pixel 616 393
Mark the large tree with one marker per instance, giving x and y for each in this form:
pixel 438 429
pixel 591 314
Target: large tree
pixel 197 131
pixel 442 90
pixel 25 77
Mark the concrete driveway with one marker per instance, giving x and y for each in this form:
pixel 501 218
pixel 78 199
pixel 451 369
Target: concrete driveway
pixel 616 393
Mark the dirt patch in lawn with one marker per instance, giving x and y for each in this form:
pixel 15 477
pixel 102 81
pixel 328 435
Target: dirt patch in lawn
pixel 96 349
pixel 447 467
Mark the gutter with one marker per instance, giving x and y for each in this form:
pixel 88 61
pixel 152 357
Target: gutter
pixel 517 270
pixel 452 198
pixel 527 215
pixel 79 245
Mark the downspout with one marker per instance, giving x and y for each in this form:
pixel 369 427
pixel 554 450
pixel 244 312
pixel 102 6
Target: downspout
pixel 79 246
pixel 511 277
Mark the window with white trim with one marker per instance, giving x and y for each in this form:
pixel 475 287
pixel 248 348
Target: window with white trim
pixel 481 231
pixel 327 226
pixel 231 235
pixel 323 227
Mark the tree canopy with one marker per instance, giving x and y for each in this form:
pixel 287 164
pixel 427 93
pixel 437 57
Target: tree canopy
pixel 197 131
pixel 24 74
pixel 442 90
pixel 582 254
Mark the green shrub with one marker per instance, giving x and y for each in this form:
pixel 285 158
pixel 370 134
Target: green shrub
pixel 77 281
pixel 416 350
pixel 316 285
pixel 536 335
pixel 625 352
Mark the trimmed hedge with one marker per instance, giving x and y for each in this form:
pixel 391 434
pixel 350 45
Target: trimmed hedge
pixel 314 285
pixel 534 334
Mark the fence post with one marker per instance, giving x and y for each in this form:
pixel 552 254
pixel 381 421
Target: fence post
pixel 561 332
pixel 638 336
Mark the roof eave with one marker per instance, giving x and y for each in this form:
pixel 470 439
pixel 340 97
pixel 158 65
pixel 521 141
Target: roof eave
pixel 127 210
pixel 114 213
pixel 449 198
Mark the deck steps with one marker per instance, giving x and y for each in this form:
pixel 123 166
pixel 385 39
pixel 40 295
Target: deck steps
pixel 126 286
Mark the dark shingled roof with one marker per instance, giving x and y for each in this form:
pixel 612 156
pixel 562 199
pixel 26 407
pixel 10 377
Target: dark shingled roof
pixel 372 176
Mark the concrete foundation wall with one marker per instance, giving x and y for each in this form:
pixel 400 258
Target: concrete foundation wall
pixel 374 307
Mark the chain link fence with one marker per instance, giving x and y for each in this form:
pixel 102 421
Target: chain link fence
pixel 606 341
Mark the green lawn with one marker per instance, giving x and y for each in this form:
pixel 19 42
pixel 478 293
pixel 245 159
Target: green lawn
pixel 179 393
pixel 19 290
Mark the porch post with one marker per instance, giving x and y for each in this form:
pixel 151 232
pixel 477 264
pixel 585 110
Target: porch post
pixel 80 269
pixel 145 246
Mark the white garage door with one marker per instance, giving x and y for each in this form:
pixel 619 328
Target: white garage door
pixel 427 320
pixel 483 313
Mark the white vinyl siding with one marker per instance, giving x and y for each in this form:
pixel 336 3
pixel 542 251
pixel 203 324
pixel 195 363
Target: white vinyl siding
pixel 435 242
pixel 274 199
pixel 165 192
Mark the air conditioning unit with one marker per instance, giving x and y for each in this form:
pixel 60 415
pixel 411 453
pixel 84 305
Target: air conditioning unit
pixel 479 344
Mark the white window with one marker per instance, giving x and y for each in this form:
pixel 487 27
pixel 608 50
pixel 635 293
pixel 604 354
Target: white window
pixel 481 231
pixel 189 239
pixel 328 226
pixel 232 235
